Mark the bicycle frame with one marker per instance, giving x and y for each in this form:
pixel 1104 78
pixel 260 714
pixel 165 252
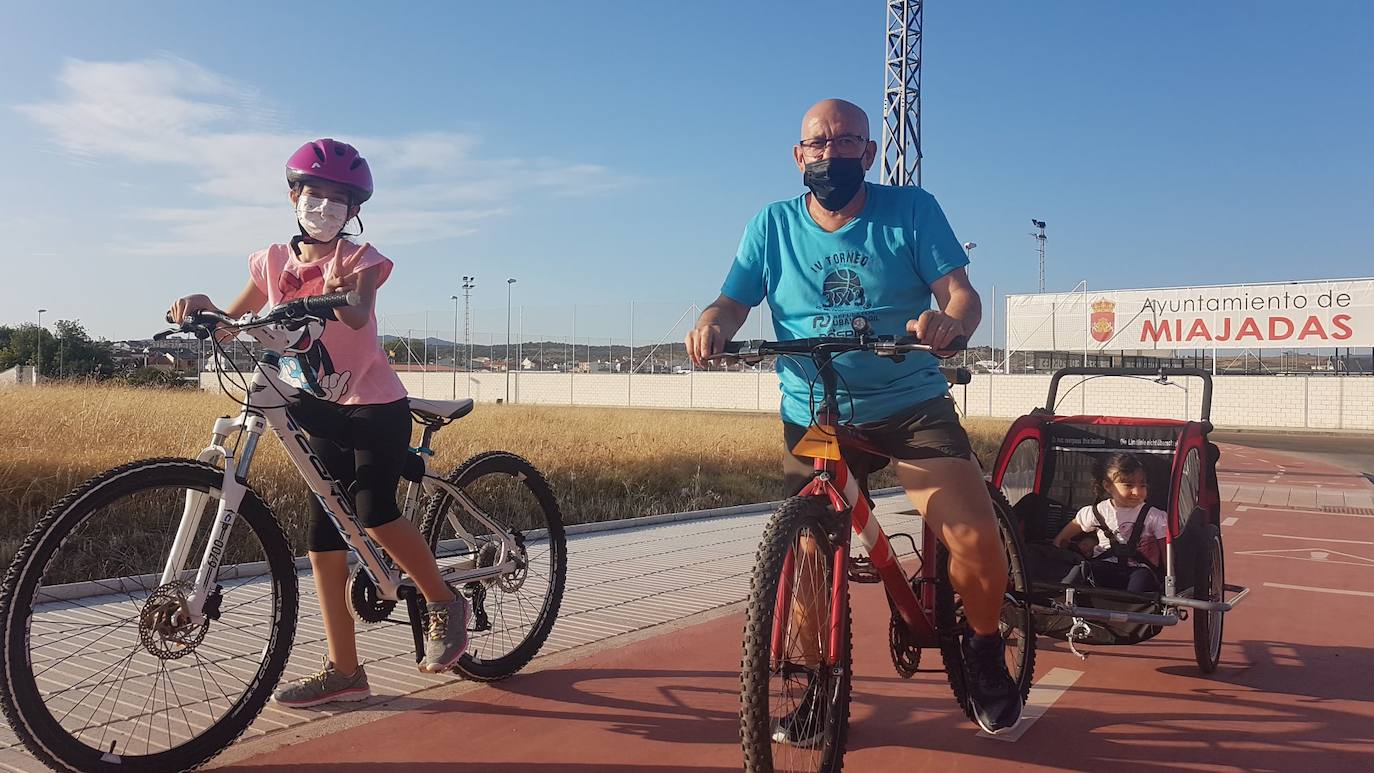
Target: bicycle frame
pixel 251 422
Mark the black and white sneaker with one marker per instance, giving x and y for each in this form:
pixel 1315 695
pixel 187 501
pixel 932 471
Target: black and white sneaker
pixel 994 698
pixel 803 727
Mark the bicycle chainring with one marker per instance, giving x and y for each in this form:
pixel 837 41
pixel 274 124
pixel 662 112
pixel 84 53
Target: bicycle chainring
pixel 363 601
pixel 906 657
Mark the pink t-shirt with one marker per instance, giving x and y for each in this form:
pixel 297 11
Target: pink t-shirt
pixel 333 361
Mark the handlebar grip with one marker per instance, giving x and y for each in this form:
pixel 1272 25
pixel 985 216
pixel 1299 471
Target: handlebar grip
pixel 316 304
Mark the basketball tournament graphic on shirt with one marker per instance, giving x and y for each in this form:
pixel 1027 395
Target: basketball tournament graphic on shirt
pixel 842 294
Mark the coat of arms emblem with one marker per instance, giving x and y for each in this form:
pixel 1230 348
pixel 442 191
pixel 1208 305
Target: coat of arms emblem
pixel 1102 322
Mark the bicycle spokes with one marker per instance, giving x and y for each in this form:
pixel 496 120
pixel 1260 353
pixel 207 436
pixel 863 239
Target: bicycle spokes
pixel 115 661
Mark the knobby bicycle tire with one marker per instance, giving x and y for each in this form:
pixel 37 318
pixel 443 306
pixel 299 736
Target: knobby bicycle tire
pixel 795 517
pixel 23 705
pixel 467 477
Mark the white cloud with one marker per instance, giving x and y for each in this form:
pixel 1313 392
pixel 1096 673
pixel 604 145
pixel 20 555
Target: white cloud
pixel 172 112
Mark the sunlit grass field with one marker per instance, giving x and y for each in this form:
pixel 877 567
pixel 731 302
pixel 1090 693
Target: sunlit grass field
pixel 604 463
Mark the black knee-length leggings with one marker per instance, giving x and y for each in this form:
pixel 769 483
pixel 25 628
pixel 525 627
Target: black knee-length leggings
pixel 364 448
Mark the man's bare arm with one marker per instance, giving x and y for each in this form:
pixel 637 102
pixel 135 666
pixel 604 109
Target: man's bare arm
pixel 716 326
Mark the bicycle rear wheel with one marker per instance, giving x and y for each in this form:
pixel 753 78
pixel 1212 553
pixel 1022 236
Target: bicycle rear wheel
pixel 514 612
pixel 1016 624
pixel 794 703
pixel 100 671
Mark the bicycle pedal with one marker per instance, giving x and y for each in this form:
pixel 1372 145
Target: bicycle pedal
pixel 861 570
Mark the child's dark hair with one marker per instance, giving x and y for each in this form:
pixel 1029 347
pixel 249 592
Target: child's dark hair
pixel 1117 466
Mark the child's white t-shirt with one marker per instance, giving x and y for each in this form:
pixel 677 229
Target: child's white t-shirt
pixel 1123 522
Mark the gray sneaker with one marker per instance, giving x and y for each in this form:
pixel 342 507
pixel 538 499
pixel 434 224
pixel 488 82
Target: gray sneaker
pixel 446 635
pixel 326 686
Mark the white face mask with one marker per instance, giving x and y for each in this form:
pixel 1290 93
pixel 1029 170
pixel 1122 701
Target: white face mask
pixel 322 219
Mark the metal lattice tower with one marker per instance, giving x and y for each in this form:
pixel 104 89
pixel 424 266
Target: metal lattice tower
pixel 902 94
pixel 469 282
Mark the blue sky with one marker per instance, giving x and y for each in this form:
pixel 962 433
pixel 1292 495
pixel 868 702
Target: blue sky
pixel 607 151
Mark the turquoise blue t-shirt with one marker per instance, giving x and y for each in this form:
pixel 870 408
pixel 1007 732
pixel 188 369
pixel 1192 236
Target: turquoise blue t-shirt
pixel 879 266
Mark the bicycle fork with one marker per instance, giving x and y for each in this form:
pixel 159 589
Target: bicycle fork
pixel 915 613
pixel 231 497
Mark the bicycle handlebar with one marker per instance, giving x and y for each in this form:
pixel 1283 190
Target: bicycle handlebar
pixel 201 322
pixel 883 346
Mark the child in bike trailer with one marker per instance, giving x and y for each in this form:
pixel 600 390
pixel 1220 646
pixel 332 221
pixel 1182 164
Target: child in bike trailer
pixel 1129 531
pixel 353 407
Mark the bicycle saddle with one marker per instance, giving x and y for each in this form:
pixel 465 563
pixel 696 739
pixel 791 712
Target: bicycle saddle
pixel 441 409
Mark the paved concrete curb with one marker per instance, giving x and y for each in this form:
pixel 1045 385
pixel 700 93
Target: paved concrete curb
pixel 1306 432
pixel 303 562
pixel 691 515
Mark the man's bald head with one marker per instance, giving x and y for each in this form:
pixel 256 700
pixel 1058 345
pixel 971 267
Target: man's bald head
pixel 833 117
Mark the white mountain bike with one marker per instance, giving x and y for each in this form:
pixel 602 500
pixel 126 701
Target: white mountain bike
pixel 149 614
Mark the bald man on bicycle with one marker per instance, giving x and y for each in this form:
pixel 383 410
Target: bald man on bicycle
pixel 848 248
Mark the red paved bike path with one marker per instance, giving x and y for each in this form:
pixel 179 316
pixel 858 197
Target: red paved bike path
pixel 1294 690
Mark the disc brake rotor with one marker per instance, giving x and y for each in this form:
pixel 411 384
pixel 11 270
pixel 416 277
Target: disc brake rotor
pixel 164 624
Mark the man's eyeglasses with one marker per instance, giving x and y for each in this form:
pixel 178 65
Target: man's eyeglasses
pixel 845 143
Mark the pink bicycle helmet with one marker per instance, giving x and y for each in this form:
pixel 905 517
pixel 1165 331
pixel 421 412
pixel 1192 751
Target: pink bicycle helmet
pixel 331 160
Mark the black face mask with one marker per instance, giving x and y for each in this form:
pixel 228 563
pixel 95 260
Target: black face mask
pixel 834 181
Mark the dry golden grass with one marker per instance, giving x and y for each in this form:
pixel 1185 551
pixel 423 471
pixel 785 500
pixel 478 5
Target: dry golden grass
pixel 604 463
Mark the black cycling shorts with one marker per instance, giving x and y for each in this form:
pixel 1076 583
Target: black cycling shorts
pixel 364 447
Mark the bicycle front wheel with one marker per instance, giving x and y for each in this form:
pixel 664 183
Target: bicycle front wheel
pixel 512 612
pixel 103 671
pixel 794 685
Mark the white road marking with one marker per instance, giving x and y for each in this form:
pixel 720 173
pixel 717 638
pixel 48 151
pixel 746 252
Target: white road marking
pixel 1044 693
pixel 1230 521
pixel 1338 591
pixel 1312 555
pixel 1282 509
pixel 1319 539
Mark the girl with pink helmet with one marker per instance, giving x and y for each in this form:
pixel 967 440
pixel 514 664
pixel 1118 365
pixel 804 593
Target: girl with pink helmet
pixel 354 408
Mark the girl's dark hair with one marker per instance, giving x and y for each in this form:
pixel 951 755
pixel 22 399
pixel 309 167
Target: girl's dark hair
pixel 1117 466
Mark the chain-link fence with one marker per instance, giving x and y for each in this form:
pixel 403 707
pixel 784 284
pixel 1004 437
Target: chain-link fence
pixel 573 354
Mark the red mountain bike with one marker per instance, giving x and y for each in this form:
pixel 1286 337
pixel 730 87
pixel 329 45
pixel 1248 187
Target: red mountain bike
pixel 797 639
